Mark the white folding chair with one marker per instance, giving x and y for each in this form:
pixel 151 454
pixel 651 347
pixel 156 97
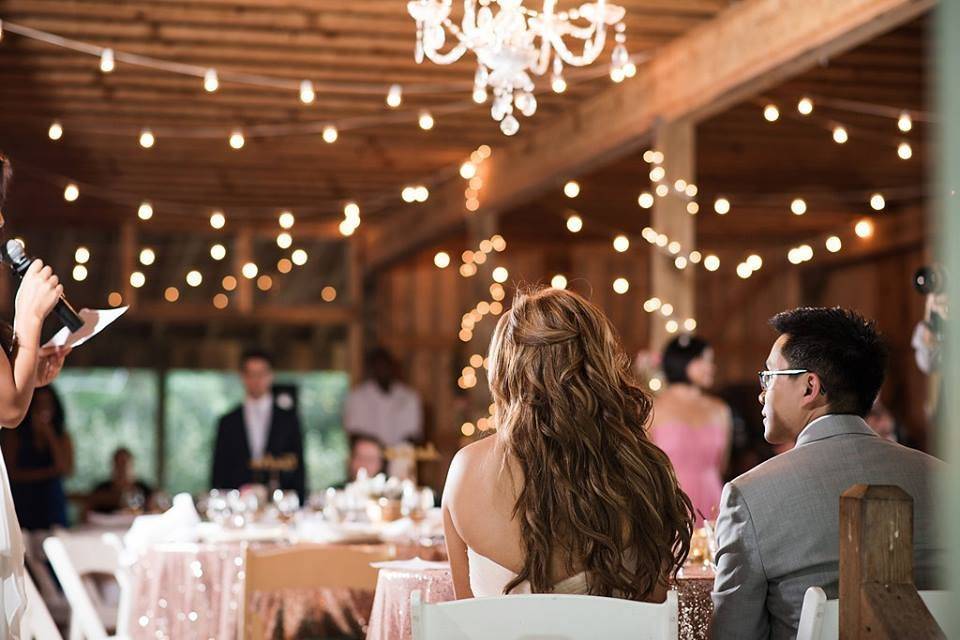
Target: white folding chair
pixel 36 562
pixel 820 618
pixel 72 559
pixel 558 617
pixel 37 623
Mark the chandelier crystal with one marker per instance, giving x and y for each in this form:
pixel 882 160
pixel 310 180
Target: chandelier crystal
pixel 514 43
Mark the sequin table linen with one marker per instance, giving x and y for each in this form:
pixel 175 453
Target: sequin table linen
pixel 390 619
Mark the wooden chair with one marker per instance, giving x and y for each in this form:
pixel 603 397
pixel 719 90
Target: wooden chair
pixel 305 566
pixel 558 617
pixel 820 618
pixel 37 623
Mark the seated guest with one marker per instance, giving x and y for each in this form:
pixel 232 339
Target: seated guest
pixel 123 490
pixel 693 427
pixel 382 406
pixel 366 453
pixel 258 429
pixel 778 530
pixel 39 456
pixel 569 495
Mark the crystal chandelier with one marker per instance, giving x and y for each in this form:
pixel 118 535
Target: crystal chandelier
pixel 514 43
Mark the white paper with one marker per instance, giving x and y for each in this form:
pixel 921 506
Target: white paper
pixel 94 321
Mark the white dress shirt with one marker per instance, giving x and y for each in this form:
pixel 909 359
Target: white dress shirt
pixel 257 415
pixel 392 417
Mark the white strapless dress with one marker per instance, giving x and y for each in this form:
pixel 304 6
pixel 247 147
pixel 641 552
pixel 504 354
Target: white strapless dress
pixel 487 578
pixel 13 597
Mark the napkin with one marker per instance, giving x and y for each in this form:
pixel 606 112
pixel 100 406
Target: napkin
pixel 176 524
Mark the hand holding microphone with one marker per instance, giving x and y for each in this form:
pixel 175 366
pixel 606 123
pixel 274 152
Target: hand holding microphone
pixel 40 290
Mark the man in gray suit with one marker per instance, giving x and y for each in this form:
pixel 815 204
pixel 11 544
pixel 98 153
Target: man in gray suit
pixel 778 529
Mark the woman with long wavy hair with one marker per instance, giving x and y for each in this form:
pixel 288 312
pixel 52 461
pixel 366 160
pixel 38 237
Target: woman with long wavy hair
pixel 569 495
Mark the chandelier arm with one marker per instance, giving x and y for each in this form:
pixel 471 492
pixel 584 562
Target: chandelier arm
pixel 591 49
pixel 446 58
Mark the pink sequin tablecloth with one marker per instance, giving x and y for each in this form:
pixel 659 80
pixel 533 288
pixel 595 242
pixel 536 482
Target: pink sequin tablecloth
pixel 390 619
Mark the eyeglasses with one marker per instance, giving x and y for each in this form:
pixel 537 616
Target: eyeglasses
pixel 766 377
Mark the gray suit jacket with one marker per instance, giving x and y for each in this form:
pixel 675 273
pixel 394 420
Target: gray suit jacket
pixel 778 529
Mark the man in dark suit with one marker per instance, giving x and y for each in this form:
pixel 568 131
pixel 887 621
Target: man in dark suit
pixel 260 441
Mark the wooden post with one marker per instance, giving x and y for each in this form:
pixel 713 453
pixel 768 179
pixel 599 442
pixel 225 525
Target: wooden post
pixel 674 286
pixel 878 599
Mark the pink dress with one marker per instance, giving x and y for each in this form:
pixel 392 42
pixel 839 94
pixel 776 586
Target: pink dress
pixel 697 456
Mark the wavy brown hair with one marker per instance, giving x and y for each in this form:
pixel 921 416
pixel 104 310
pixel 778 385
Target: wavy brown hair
pixel 595 491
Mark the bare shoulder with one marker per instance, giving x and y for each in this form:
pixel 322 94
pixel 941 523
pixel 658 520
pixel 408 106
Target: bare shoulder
pixel 465 466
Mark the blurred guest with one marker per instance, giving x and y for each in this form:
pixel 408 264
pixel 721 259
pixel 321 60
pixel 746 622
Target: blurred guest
pixel 260 435
pixel 382 406
pixel 366 453
pixel 882 421
pixel 39 456
pixel 123 490
pixel 568 495
pixel 693 427
pixel 778 532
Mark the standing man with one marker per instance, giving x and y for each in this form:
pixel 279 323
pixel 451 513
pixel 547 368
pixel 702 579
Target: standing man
pixel 260 441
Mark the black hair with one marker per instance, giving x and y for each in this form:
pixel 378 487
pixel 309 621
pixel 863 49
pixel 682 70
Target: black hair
pixel 59 416
pixel 121 451
pixel 379 354
pixel 840 346
pixel 678 354
pixel 255 353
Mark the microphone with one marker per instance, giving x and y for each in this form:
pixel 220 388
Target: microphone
pixel 14 256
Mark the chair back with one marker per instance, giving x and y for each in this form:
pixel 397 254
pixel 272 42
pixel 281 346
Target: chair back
pixel 37 623
pixel 820 618
pixel 85 621
pixel 544 616
pixel 305 566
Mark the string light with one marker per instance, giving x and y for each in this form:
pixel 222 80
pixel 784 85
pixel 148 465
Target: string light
pixel 284 240
pixel 81 255
pixel 645 200
pixel 655 384
pixel 79 273
pixel 721 206
pixel 690 324
pixel 877 202
pixel 498 242
pixel 468 170
pixel 657 174
pixel 55 132
pixel 394 96
pixel 441 259
pixel 905 122
pixel 571 189
pixel 218 252
pixel 210 81
pixel 680 185
pixel 754 261
pixel 691 190
pixel 680 262
pixel 840 135
pixel 674 247
pixel 771 113
pixel 346 228
pixel 217 220
pixel 249 270
pixel 284 265
pixel 328 294
pixel 662 190
pixel 621 285
pixel 71 192
pixel 114 299
pixel 299 257
pixel 194 278
pixel 695 257
pixel 107 63
pixel 864 228
pixel 711 263
pixel 137 279
pixel 171 294
pixel 147 257
pixel 145 212
pixel 146 139
pixel 237 140
pixel 421 193
pixel 500 274
pixel 286 220
pixel 425 121
pixel 574 224
pixel 307 94
pixel 330 134
pixel 558 281
pixel 666 309
pixel 805 106
pixel 621 243
pixel 833 244
pixel 798 206
pixel 693 208
pixel 264 282
pixel 229 283
pixel 351 211
pixel 652 304
pixel 672 326
pixel 905 151
pixel 220 301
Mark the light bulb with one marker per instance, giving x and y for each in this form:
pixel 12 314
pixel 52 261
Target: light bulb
pixel 217 220
pixel 833 244
pixel 81 255
pixel 693 208
pixel 905 123
pixel 330 134
pixel 286 220
pixel 346 228
pixel 468 170
pixel 674 247
pixel 137 279
pixel 194 278
pixel 771 113
pixel 229 283
pixel 680 262
pixel 171 294
pixel 558 281
pixel 394 96
pixel 421 193
pixel 662 190
pixel 107 63
pixel 307 94
pixel 146 139
pixel 645 200
pixel 249 270
pixel 805 106
pixel 864 228
pixel 71 192
pixel 145 212
pixel 236 140
pixel 690 324
pixel 754 262
pixel 571 189
pixel 905 151
pixel 652 305
pixel 409 194
pixel 657 174
pixel 621 285
pixel 264 282
pixel 220 301
pixel 711 263
pixel 621 243
pixel 425 121
pixel 500 274
pixel 79 273
pixel 798 206
pixel 210 80
pixel 284 240
pixel 299 257
pixel 840 135
pixel 441 259
pixel 574 224
pixel 55 131
pixel 328 294
pixel 671 326
pixel 877 202
pixel 744 270
pixel 218 252
pixel 147 257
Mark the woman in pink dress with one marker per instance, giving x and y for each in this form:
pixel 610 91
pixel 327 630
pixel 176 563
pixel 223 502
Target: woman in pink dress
pixel 692 426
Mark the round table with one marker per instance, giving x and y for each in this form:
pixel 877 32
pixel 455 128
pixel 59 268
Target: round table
pixel 390 618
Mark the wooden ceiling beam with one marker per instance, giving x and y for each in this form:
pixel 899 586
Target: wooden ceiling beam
pixel 187 313
pixel 746 49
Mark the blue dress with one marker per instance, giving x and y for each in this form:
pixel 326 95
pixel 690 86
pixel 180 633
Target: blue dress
pixel 40 504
